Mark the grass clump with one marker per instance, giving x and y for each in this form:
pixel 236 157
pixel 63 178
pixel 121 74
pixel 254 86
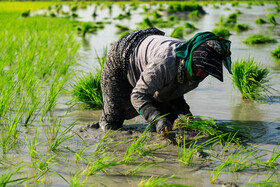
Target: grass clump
pixel 259 39
pixel 251 79
pixel 276 52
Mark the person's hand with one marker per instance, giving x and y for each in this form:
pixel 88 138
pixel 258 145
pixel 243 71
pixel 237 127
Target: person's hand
pixel 164 128
pixel 166 132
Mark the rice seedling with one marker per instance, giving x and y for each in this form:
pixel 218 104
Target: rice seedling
pixel 32 144
pixel 139 148
pixel 42 167
pixel 94 13
pixel 227 9
pixel 121 28
pixel 101 163
pixel 87 89
pixel 271 19
pixel 146 23
pixel 260 21
pixel 185 154
pixel 15 6
pixel 241 27
pixel 197 124
pixel 56 88
pixel 25 13
pixel 159 181
pixel 77 180
pixel 177 32
pixel 251 79
pixel 273 159
pixel 222 32
pixel 6 177
pixel 259 39
pixel 61 138
pixel 267 181
pixel 139 167
pixel 215 6
pixel 276 52
pixel 184 7
pixel 74 7
pixel 156 15
pixel 189 27
pixel 11 131
pixel 194 14
pixel 237 160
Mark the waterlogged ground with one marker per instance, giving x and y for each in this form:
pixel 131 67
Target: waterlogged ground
pixel 257 122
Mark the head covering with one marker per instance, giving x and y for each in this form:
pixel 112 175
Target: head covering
pixel 208 59
pixel 185 51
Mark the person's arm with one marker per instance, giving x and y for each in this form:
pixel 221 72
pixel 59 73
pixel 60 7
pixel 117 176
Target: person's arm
pixel 154 77
pixel 180 107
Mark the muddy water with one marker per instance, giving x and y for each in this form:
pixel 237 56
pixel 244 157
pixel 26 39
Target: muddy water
pixel 257 121
pixel 212 98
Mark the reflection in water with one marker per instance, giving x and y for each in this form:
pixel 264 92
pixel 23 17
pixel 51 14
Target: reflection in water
pixel 247 120
pixel 246 111
pixel 86 44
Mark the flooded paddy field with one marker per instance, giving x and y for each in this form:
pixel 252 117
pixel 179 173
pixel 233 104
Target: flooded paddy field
pixel 45 139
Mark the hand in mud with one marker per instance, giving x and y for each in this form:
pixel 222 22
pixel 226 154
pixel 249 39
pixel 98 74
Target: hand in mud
pixel 169 135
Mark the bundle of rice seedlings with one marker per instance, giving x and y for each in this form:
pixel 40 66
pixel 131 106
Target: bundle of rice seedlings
pixel 177 32
pixel 222 32
pixel 87 90
pixel 189 27
pixel 121 28
pixel 276 52
pixel 25 13
pixel 260 21
pixel 241 27
pixel 251 79
pixel 259 39
pixel 156 15
pixel 271 19
pixel 194 14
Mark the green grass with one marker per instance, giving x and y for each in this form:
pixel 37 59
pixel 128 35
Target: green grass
pixel 259 39
pixel 251 79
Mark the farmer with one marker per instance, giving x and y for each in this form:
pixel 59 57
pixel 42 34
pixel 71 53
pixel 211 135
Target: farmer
pixel 148 73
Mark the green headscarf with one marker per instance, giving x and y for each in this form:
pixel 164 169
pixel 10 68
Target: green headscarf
pixel 185 50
